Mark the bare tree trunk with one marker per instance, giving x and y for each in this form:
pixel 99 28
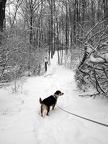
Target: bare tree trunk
pixel 105 5
pixel 31 32
pixel 67 29
pixel 51 28
pixel 31 22
pixel 2 17
pixel 2 14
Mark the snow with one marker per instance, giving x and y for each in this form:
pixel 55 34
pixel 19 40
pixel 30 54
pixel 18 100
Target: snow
pixel 101 58
pixel 98 60
pixel 21 122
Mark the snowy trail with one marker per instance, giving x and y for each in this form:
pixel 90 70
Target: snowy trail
pixel 28 127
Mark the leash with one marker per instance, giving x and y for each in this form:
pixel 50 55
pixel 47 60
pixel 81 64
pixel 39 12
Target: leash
pixel 83 117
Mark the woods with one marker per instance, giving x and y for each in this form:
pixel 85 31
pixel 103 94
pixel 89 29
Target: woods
pixel 76 29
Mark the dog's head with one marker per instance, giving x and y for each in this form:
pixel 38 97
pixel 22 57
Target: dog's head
pixel 58 93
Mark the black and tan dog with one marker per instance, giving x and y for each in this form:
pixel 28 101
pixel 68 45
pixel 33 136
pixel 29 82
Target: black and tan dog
pixel 49 101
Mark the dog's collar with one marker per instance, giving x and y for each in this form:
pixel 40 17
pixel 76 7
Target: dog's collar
pixel 55 96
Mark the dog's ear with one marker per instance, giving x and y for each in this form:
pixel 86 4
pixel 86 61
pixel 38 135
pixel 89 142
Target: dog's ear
pixel 57 92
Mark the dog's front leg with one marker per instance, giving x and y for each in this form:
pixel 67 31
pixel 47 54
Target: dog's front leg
pixel 48 109
pixel 53 106
pixel 42 110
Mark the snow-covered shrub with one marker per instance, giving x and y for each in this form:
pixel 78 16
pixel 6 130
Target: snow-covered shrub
pixel 16 59
pixel 93 72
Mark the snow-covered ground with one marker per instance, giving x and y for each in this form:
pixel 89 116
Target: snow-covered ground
pixel 21 123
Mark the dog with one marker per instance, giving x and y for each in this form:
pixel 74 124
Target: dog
pixel 49 101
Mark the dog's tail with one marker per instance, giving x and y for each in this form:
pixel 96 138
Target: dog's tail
pixel 40 100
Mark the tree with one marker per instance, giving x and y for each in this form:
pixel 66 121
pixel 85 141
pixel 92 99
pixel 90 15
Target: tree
pixel 2 18
pixel 2 13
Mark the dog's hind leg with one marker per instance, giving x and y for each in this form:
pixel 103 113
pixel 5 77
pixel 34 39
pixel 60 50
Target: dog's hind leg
pixel 42 110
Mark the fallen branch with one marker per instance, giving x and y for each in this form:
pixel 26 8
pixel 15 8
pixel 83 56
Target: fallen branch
pixel 91 95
